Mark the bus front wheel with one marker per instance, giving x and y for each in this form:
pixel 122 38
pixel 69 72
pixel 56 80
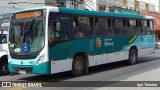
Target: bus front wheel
pixel 133 56
pixel 4 68
pixel 78 66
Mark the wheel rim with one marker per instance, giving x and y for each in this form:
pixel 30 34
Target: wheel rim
pixel 78 66
pixel 5 68
pixel 133 57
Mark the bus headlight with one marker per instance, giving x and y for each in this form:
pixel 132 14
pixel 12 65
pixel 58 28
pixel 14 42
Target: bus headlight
pixel 40 60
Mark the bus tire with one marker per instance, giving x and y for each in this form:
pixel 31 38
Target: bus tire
pixel 4 68
pixel 133 57
pixel 78 66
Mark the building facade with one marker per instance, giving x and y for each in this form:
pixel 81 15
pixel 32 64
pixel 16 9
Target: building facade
pixel 101 5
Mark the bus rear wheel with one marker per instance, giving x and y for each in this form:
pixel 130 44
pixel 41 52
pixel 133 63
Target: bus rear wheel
pixel 78 66
pixel 133 56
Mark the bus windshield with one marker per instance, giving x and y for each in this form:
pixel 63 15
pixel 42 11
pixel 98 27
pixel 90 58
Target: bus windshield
pixel 26 36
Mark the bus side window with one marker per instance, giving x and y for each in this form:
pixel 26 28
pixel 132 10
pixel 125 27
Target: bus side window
pixel 144 27
pixel 124 30
pixel 63 30
pixel 57 30
pixel 117 27
pixel 51 32
pixel 149 27
pixel 132 23
pixel 75 26
pixel 103 26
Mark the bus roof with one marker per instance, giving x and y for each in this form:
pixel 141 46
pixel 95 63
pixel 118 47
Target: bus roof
pixel 87 12
pixel 100 13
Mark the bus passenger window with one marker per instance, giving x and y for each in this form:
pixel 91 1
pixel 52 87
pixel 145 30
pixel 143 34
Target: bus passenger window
pixel 51 32
pixel 151 27
pixel 125 28
pixel 57 31
pixel 83 26
pixel 118 26
pixel 144 27
pixel 103 27
pixel 75 27
pixel 134 27
pixel 75 30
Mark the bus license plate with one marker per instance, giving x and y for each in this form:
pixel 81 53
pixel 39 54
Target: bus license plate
pixel 22 72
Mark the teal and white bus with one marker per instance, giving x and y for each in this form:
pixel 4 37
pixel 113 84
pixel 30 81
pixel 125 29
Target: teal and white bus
pixel 50 40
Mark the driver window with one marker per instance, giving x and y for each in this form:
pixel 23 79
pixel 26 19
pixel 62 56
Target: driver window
pixel 51 32
pixel 57 31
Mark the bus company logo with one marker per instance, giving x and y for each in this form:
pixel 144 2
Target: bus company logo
pixel 98 42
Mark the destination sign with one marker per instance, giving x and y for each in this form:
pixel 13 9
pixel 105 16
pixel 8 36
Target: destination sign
pixel 28 14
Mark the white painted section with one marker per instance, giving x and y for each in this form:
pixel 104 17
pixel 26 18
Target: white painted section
pixel 3 49
pixel 53 9
pixel 66 65
pixel 4 32
pixel 45 49
pixel 95 60
pixel 117 56
pixel 149 17
pixel 142 52
pixel 126 55
pixel 105 58
pixel 61 66
pixel 44 52
pixel 108 58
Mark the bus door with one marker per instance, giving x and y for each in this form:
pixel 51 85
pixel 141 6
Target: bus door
pixel 59 48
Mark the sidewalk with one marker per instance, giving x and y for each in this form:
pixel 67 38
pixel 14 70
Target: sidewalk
pixel 152 75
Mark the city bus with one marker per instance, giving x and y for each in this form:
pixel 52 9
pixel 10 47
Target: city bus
pixel 48 40
pixel 3 47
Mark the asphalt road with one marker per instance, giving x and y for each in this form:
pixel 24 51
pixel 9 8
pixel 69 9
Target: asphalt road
pixel 108 72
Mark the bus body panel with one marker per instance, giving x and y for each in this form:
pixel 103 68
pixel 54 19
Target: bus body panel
pixel 28 66
pixel 3 49
pixel 106 53
pixel 99 50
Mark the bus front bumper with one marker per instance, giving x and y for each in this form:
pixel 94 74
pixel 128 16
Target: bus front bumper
pixel 32 69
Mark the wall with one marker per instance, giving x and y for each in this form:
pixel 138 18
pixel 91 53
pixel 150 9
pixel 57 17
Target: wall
pixel 156 17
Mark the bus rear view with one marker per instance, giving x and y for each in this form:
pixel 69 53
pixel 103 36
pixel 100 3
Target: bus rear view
pixel 27 41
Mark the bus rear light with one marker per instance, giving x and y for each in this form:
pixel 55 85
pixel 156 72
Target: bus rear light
pixel 53 62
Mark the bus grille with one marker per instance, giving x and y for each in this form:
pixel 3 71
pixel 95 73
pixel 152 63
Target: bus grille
pixel 16 56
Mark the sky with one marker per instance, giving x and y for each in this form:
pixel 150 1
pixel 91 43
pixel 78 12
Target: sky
pixel 155 2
